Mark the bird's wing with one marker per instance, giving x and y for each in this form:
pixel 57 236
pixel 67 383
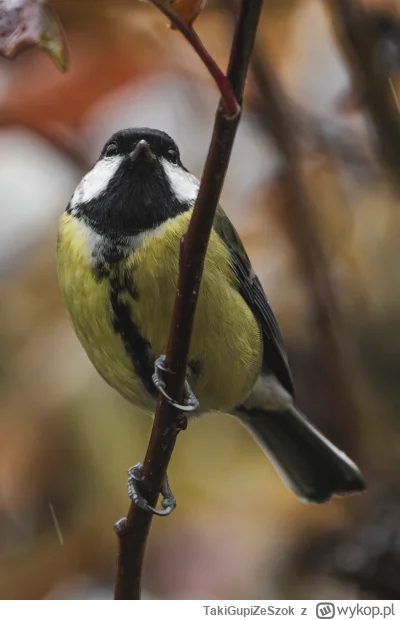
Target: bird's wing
pixel 250 288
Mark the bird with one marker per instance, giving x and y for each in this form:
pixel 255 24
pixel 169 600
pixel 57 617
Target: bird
pixel 118 262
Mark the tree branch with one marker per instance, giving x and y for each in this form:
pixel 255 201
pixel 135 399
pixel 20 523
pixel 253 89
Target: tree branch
pixel 301 227
pixel 354 30
pixel 168 423
pixel 227 96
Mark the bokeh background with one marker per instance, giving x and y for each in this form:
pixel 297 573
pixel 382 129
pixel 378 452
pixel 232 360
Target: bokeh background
pixel 318 209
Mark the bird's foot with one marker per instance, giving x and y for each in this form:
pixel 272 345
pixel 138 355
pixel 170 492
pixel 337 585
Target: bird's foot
pixel 120 526
pixel 135 477
pixel 190 402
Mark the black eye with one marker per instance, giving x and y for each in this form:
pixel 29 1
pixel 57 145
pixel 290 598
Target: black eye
pixel 112 149
pixel 172 155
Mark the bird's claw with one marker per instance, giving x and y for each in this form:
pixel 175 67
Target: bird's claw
pixel 190 402
pixel 120 526
pixel 135 477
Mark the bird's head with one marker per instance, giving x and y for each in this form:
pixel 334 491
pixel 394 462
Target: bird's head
pixel 137 183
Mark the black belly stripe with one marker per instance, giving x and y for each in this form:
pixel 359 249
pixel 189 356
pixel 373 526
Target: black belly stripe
pixel 136 347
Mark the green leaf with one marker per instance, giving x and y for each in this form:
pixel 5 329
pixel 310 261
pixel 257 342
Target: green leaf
pixel 53 40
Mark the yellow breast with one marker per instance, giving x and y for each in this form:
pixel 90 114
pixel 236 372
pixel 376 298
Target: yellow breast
pixel 226 347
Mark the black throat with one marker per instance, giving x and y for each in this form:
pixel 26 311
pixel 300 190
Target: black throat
pixel 138 198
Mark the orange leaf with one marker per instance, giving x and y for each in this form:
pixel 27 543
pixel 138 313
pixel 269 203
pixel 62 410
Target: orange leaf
pixel 186 10
pixel 24 23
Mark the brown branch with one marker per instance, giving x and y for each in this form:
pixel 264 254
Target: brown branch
pixel 227 95
pixel 355 31
pixel 167 421
pixel 304 237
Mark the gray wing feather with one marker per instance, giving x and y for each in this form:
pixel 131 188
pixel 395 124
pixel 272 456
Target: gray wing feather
pixel 275 358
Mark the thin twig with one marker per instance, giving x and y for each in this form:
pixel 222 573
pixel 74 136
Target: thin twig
pixel 227 96
pixel 167 421
pixel 354 30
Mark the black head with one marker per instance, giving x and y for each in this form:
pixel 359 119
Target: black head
pixel 137 183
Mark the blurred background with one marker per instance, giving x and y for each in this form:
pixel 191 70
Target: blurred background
pixel 313 188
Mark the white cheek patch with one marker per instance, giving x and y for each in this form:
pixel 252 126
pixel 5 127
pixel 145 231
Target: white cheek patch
pixel 95 183
pixel 184 185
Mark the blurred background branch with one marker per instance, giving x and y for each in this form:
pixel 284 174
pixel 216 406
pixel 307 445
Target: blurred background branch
pixel 299 221
pixel 356 30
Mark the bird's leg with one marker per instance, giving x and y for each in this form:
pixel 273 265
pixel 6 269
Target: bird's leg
pixel 135 477
pixel 190 402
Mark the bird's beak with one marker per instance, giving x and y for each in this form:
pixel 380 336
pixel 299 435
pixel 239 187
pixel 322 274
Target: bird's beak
pixel 142 152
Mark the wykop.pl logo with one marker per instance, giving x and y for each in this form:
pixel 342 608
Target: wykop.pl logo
pixel 325 610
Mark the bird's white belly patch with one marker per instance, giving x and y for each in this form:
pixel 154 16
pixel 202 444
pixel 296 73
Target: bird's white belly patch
pixel 267 395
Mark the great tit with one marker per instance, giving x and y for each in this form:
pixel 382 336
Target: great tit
pixel 118 260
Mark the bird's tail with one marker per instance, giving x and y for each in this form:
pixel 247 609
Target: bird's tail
pixel 309 464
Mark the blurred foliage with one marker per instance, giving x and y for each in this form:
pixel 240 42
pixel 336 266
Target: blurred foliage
pixel 67 440
pixel 31 22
